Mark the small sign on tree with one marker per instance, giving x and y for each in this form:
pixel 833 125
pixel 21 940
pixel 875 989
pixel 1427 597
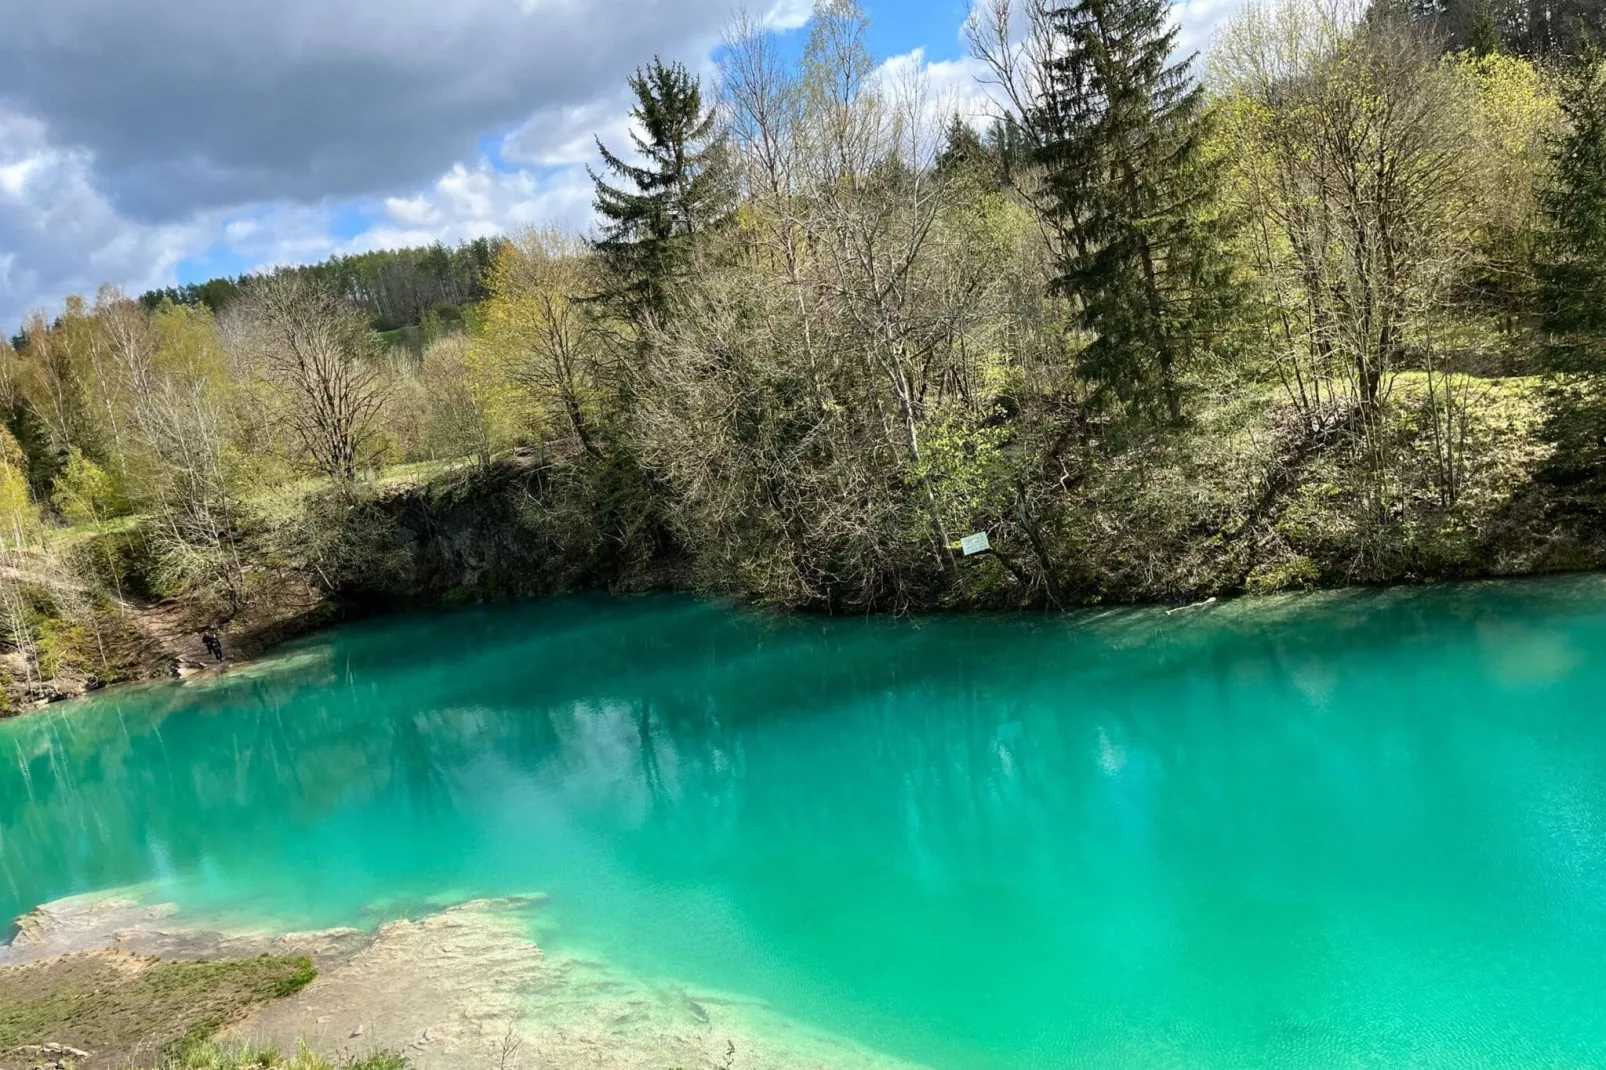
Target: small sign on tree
pixel 975 544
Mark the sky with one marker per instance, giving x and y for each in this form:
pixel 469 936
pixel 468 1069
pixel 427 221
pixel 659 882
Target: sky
pixel 150 142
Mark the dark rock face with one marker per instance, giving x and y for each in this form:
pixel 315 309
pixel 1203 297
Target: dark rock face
pixel 510 529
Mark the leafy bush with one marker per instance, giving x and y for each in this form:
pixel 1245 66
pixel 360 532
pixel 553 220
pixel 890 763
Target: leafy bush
pixel 1289 574
pixel 86 493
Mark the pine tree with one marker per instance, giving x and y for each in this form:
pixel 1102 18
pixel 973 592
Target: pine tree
pixel 967 160
pixel 962 147
pixel 1122 130
pixel 1573 274
pixel 1007 142
pixel 681 189
pixel 1483 36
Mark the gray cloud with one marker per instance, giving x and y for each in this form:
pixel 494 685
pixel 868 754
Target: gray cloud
pixel 59 235
pixel 185 105
pixel 137 133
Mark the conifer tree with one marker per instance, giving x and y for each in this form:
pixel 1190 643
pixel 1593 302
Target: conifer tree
pixel 962 147
pixel 681 188
pixel 1483 36
pixel 1573 275
pixel 966 159
pixel 1121 128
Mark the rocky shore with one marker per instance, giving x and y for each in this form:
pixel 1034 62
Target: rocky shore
pixel 465 988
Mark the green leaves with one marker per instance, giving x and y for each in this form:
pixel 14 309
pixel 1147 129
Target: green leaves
pixel 1122 129
pixel 682 189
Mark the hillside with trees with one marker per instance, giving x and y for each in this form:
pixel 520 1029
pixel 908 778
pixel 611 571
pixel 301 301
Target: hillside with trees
pixel 399 289
pixel 1321 307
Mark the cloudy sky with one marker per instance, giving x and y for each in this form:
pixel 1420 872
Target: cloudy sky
pixel 146 142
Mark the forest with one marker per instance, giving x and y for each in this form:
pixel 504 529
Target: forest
pixel 1324 305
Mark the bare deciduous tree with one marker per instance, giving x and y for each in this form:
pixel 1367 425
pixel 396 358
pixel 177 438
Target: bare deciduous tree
pixel 173 377
pixel 317 349
pixel 849 316
pixel 1355 173
pixel 544 334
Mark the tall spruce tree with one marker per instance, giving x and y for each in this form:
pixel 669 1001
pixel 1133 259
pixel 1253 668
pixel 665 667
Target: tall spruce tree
pixel 1573 276
pixel 1483 34
pixel 681 188
pixel 967 160
pixel 1122 128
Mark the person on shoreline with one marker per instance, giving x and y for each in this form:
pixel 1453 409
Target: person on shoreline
pixel 213 644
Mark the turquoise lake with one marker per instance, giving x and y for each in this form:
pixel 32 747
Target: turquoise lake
pixel 1362 829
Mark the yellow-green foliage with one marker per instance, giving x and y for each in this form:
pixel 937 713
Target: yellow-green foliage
pixel 62 646
pixel 19 519
pixel 187 344
pixel 228 1057
pixel 964 460
pixel 536 369
pixel 1512 114
pixel 11 452
pixel 86 493
pixel 1288 574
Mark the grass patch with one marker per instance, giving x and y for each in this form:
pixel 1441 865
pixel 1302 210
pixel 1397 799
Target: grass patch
pixel 224 1057
pixel 286 501
pixel 66 537
pixel 125 1010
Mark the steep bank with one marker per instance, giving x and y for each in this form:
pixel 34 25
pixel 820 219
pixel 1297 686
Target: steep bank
pixel 1242 502
pixel 1239 503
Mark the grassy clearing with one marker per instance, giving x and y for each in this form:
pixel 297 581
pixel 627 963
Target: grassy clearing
pixel 285 500
pixel 276 501
pixel 126 1010
pixel 66 538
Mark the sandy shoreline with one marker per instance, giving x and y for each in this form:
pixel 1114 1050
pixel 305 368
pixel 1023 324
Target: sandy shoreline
pixel 461 989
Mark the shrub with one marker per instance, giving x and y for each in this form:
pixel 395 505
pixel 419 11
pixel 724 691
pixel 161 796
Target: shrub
pixel 1289 574
pixel 86 493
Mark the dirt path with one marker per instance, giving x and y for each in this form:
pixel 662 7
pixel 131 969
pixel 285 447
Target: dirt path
pixel 172 635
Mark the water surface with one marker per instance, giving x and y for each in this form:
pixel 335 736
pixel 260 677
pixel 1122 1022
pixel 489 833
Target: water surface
pixel 1354 830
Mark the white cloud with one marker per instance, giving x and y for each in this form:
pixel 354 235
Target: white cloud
pixel 413 211
pixel 945 88
pixel 298 109
pixel 787 15
pixel 1200 19
pixel 58 232
pixel 468 203
pixel 563 136
pixel 279 235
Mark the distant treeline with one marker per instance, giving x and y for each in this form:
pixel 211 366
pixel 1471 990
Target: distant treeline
pixel 396 287
pixel 1537 29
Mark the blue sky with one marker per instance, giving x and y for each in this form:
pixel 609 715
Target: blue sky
pixel 147 142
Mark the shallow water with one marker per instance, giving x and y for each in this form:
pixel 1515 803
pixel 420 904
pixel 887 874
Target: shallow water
pixel 1353 830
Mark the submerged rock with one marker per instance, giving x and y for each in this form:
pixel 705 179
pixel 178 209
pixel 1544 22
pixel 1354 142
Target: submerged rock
pixel 459 989
pixel 466 987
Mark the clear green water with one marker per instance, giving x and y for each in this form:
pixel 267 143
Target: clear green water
pixel 1359 830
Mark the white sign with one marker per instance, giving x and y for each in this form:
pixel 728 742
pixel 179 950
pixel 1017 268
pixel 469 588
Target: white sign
pixel 975 544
